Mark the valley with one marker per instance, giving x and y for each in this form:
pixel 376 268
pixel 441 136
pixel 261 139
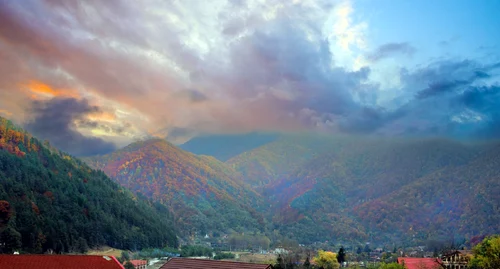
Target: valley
pixel 302 188
pixel 312 187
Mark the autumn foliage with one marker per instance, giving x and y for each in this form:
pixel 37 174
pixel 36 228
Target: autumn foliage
pixel 52 201
pixel 202 191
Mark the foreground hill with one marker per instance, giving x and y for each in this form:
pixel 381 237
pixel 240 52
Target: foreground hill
pixel 204 193
pixel 49 200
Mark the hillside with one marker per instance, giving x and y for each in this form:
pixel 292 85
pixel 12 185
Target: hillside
pixel 460 201
pixel 50 200
pixel 269 162
pixel 224 147
pixel 205 194
pixel 362 188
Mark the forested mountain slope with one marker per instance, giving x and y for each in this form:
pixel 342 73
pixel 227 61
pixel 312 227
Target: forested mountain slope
pixel 458 201
pixel 384 189
pixel 50 200
pixel 204 193
pixel 276 159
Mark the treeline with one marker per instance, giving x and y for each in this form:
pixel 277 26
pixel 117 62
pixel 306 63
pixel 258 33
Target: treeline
pixel 51 201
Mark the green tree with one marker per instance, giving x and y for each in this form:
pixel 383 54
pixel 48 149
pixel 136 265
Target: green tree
pixel 279 263
pixel 341 255
pixel 11 240
pixel 307 263
pixel 125 256
pixel 327 260
pixel 129 265
pixel 82 245
pixel 487 254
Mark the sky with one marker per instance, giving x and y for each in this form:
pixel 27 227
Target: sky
pixel 92 76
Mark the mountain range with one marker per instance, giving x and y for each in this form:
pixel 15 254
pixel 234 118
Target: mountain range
pixel 203 193
pixel 314 187
pixel 304 186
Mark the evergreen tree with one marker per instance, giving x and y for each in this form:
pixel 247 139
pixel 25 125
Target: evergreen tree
pixel 10 240
pixel 125 256
pixel 279 263
pixel 341 255
pixel 307 263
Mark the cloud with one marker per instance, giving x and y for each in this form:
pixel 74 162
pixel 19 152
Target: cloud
pixel 459 100
pixel 439 87
pixel 54 120
pixel 390 50
pixel 452 77
pixel 184 67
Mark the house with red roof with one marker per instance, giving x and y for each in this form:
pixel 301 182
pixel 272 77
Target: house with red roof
pixel 420 263
pixel 185 263
pixel 138 264
pixel 59 261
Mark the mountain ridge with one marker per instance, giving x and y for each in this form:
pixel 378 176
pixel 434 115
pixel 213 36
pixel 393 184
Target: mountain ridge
pixel 318 186
pixel 201 190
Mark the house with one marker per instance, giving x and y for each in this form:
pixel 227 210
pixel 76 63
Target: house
pixel 59 261
pixel 280 251
pixel 185 263
pixel 457 259
pixel 138 264
pixel 420 263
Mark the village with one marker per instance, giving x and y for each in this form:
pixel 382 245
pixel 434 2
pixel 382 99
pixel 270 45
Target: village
pixel 208 254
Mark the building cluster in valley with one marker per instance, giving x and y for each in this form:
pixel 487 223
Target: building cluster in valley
pixel 457 259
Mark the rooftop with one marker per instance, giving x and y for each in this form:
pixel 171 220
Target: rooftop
pixel 419 263
pixel 138 262
pixel 185 263
pixel 58 261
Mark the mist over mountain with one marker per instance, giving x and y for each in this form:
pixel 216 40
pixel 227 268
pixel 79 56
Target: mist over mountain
pixel 313 187
pixel 224 147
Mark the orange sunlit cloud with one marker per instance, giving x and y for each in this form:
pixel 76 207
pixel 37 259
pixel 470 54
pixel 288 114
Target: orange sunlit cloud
pixel 39 89
pixel 5 112
pixel 103 116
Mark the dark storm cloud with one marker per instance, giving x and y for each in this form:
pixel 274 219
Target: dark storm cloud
pixel 369 119
pixel 486 102
pixel 54 120
pixel 457 100
pixel 390 50
pixel 484 99
pixel 294 73
pixel 451 77
pixel 439 87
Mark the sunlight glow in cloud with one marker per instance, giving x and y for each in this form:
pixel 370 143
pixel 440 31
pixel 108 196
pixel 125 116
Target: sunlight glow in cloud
pixel 123 70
